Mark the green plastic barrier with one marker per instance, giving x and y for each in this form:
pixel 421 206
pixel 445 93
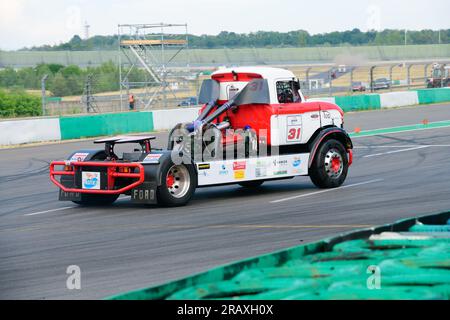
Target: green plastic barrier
pixel 427 96
pixel 427 228
pixel 359 102
pixel 412 265
pixel 74 127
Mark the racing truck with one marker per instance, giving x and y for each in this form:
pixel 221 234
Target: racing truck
pixel 254 126
pixel 440 76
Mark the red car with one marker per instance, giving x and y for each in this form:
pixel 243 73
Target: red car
pixel 358 86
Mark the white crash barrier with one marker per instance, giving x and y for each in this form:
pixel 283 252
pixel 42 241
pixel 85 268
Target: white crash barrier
pixel 167 119
pixel 324 99
pixel 29 130
pixel 399 99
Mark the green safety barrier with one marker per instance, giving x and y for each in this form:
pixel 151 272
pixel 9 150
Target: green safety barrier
pixel 427 96
pixel 412 257
pixel 53 99
pixel 74 127
pixel 359 102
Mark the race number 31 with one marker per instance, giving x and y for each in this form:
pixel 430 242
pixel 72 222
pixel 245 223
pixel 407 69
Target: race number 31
pixel 294 128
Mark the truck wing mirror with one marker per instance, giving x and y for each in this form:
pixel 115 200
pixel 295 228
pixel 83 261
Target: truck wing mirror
pixel 255 92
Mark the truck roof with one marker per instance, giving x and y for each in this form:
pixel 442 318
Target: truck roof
pixel 264 72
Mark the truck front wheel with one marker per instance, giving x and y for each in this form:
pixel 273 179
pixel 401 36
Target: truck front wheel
pixel 330 165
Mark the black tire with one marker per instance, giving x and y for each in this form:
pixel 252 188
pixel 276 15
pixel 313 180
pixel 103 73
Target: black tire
pixel 323 171
pixel 168 195
pixel 251 184
pixel 97 199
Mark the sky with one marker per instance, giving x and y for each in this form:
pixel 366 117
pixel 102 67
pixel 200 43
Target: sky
pixel 26 23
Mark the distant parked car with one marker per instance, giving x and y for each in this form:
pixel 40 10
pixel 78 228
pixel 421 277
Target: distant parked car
pixel 191 101
pixel 358 86
pixel 381 83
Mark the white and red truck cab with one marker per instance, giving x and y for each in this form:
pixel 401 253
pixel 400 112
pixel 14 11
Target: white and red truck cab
pixel 255 125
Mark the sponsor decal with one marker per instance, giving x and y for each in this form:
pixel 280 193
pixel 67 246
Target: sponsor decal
pixel 296 163
pixel 152 158
pixel 260 172
pixel 239 165
pixel 261 168
pixel 294 120
pixel 280 163
pixel 90 180
pixel 223 170
pixel 79 157
pixel 326 115
pixel 280 172
pixel 239 174
pixel 204 166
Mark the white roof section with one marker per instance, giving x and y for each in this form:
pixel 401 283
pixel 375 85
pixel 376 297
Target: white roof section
pixel 265 72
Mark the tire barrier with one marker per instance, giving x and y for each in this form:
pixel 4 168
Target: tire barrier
pixel 409 259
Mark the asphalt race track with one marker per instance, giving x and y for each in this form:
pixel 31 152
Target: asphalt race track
pixel 125 246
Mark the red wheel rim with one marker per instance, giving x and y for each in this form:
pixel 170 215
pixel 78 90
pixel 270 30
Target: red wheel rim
pixel 170 180
pixel 336 164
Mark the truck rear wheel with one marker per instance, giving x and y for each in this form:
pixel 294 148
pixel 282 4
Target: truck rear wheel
pixel 96 199
pixel 178 184
pixel 330 165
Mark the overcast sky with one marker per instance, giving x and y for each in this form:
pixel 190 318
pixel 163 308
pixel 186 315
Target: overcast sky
pixel 36 22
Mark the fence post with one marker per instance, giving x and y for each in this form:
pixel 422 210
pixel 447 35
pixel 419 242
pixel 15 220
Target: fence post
pixel 371 77
pixel 425 74
pixel 351 80
pixel 330 93
pixel 43 80
pixel 308 85
pixel 391 68
pixel 409 76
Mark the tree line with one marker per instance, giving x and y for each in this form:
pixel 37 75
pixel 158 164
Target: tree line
pixel 61 81
pixel 261 39
pixel 67 80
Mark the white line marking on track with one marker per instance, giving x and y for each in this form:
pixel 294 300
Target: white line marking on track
pixel 395 151
pixel 46 211
pixel 404 146
pixel 396 132
pixel 324 191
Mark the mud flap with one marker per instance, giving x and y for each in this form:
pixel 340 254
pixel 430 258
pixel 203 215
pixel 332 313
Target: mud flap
pixel 68 196
pixel 145 193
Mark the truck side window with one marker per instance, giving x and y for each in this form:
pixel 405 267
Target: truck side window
pixel 287 92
